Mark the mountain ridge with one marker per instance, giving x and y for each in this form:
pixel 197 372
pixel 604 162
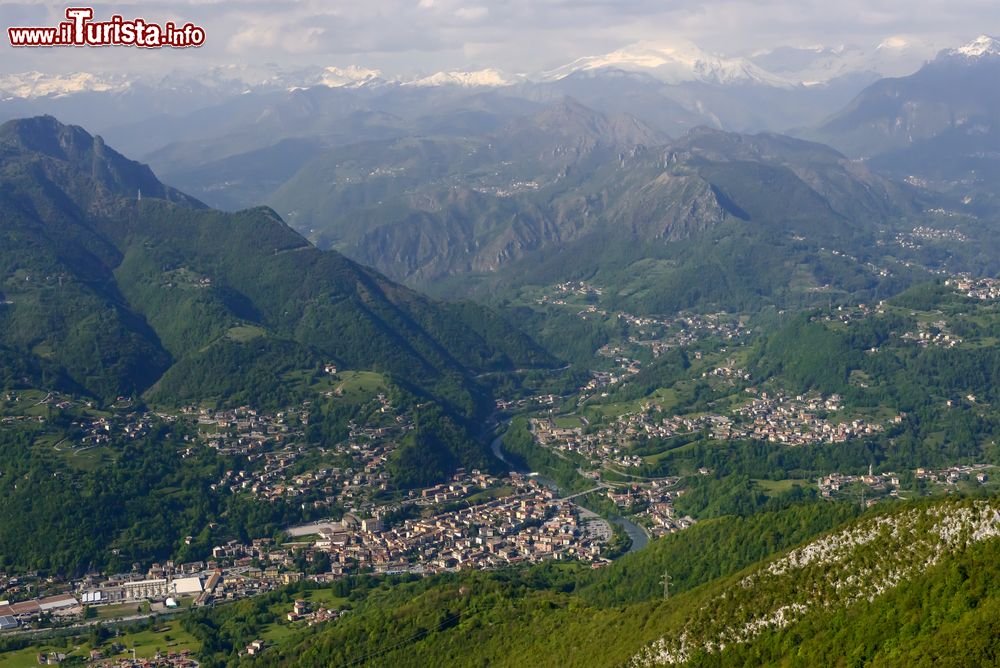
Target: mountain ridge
pixel 423 210
pixel 179 275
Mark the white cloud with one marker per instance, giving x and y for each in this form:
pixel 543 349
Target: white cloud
pixel 472 13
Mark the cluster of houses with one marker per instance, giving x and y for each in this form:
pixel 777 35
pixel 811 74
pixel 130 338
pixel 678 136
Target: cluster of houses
pixel 977 288
pixel 933 334
pixel 849 314
pixel 600 380
pixel 604 445
pixel 651 498
pixel 870 266
pixel 87 430
pixel 243 430
pixel 781 419
pixel 875 485
pixel 302 611
pixel 274 478
pixel 660 334
pixel 913 238
pixel 609 445
pixel 539 401
pixel 525 524
pixel 273 452
pixel 21 419
pixel 509 190
pixel 461 485
pixel 569 289
pixel 955 474
pixel 103 430
pixel 728 371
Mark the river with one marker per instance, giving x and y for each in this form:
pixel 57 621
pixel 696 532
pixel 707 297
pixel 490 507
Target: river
pixel 639 537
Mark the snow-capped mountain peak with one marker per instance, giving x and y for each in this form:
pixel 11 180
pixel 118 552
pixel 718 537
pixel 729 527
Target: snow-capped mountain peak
pixel 673 63
pixel 983 45
pixel 351 76
pixel 488 78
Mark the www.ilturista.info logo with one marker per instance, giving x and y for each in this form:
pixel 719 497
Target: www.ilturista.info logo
pixel 80 30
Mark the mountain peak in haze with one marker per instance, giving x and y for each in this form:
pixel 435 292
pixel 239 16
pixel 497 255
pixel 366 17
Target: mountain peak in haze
pixel 567 118
pixel 951 101
pixel 673 63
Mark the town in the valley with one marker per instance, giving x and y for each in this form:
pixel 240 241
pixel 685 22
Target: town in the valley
pixel 476 520
pixel 492 522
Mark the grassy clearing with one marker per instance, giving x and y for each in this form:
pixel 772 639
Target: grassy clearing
pixel 777 487
pixel 345 387
pixel 167 637
pixel 245 333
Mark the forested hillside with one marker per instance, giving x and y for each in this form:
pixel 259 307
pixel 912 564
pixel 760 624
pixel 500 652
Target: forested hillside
pixel 100 257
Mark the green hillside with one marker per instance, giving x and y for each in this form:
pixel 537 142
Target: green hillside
pixel 117 288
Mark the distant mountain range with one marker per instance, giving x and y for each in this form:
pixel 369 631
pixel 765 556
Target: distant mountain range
pixel 423 210
pixel 956 89
pixel 457 193
pixel 675 61
pixel 673 86
pixel 182 126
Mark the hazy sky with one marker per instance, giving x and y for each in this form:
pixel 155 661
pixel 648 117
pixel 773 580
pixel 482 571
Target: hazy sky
pixel 403 37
